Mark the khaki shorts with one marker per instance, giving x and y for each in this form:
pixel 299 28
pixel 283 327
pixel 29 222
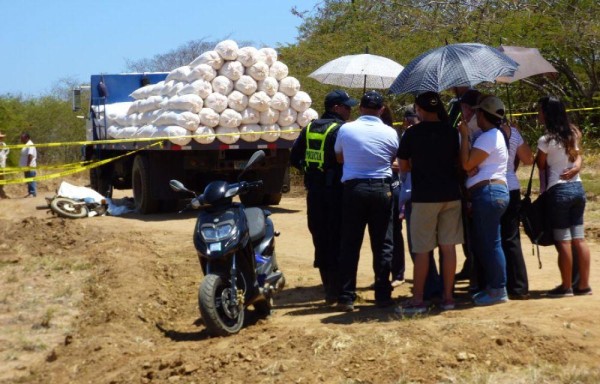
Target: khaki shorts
pixel 432 224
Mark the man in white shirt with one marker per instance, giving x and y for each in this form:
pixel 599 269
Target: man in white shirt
pixel 29 159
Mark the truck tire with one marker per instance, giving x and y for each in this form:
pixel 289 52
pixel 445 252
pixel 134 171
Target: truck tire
pixel 272 198
pixel 141 182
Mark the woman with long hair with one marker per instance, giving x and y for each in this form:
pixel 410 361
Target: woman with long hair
pixel 558 151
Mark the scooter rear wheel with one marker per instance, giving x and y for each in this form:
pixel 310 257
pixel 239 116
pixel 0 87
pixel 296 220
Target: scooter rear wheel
pixel 220 317
pixel 69 208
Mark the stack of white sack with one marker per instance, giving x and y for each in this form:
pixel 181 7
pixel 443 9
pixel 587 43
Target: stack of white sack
pixel 228 94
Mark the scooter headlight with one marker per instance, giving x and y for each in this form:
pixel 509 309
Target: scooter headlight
pixel 216 233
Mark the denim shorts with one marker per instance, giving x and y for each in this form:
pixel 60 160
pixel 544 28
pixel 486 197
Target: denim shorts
pixel 566 205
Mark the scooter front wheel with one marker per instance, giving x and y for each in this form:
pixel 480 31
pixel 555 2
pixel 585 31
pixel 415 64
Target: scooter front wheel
pixel 215 299
pixel 69 208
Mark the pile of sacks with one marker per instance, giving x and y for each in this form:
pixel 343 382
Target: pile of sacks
pixel 228 93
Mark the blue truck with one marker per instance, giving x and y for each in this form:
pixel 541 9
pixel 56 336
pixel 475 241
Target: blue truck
pixel 148 171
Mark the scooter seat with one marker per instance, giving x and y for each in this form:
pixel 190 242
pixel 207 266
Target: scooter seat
pixel 256 223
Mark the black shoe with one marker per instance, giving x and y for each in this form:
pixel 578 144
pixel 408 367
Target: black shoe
pixel 560 291
pixel 582 292
pixel 345 307
pixel 519 296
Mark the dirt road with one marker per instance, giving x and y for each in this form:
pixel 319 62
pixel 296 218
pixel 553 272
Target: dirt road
pixel 113 300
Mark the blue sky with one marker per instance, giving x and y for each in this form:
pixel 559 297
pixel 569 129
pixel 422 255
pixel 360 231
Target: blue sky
pixel 42 41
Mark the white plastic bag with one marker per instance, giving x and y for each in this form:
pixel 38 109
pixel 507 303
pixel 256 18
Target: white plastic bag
pixel 269 116
pixel 227 49
pixel 222 85
pixel 246 84
pixel 250 116
pixel 204 135
pixel 179 74
pixel 230 118
pixel 270 55
pixel 185 119
pixel 247 56
pixel 199 87
pixel 280 101
pixel 259 101
pixel 306 117
pixel 250 132
pixel 278 70
pixel 233 70
pixel 301 101
pixel 258 71
pixel 291 132
pixel 270 133
pixel 289 85
pixel 227 135
pixel 209 117
pixel 270 86
pixel 216 101
pixel 202 71
pixel 287 117
pixel 211 58
pixel 237 101
pixel 192 103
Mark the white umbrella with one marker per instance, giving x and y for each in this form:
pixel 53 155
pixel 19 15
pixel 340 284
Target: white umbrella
pixel 531 63
pixel 359 71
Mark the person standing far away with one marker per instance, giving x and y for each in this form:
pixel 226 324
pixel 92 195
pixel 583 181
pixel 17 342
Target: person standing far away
pixel 3 155
pixel 558 153
pixel 367 148
pixel 29 159
pixel 430 151
pixel 313 154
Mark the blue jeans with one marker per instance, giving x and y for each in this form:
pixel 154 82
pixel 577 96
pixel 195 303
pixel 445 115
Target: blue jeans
pixel 32 185
pixel 567 204
pixel 489 204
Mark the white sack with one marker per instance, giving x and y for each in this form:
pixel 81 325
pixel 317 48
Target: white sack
pixel 145 131
pixel 270 133
pixel 126 132
pixel 259 101
pixel 237 101
pixel 269 116
pixel 291 132
pixel 230 118
pixel 278 70
pixel 289 85
pixel 116 109
pixel 176 134
pixel 179 74
pixel 202 71
pixel 227 49
pixel 148 117
pixel 113 131
pixel 143 92
pixel 204 135
pixel 156 89
pixel 247 56
pixel 301 101
pixel 133 108
pixel 222 85
pixel 250 132
pixel 127 120
pixel 232 70
pixel 270 86
pixel 211 58
pixel 227 135
pixel 192 103
pixel 280 101
pixel 150 104
pixel 306 117
pixel 209 117
pixel 250 116
pixel 199 87
pixel 167 88
pixel 187 120
pixel 287 117
pixel 246 84
pixel 216 101
pixel 258 71
pixel 270 55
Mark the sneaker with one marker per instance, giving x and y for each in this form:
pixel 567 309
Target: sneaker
pixel 519 296
pixel 559 291
pixel 582 292
pixel 491 297
pixel 397 283
pixel 345 307
pixel 447 305
pixel 411 308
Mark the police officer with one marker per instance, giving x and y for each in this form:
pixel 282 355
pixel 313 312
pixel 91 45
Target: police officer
pixel 313 154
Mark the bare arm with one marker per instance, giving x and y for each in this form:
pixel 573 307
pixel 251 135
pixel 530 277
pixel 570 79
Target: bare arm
pixel 469 159
pixel 339 156
pixel 404 166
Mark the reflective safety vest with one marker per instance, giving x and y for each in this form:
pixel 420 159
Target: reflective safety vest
pixel 316 134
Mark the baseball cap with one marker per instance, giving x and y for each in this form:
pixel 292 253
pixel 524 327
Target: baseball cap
pixel 429 101
pixel 372 100
pixel 492 105
pixel 470 97
pixel 338 97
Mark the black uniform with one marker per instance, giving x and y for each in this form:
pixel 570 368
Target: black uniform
pixel 323 199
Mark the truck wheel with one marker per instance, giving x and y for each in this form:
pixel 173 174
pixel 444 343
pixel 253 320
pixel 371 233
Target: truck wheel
pixel 252 198
pixel 272 198
pixel 141 181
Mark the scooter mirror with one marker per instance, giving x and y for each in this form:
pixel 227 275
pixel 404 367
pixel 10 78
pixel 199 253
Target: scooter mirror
pixel 256 157
pixel 177 186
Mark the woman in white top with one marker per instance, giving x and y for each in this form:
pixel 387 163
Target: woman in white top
pixel 559 151
pixel 486 164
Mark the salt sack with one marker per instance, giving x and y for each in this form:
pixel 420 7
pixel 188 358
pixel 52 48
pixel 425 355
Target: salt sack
pixel 250 132
pixel 258 71
pixel 126 132
pixel 185 119
pixel 156 89
pixel 145 131
pixel 150 104
pixel 291 132
pixel 247 56
pixel 270 133
pixel 114 111
pixel 259 101
pixel 237 101
pixel 250 116
pixel 270 55
pixel 199 87
pixel 270 86
pixel 289 85
pixel 278 70
pixel 222 85
pixel 261 57
pixel 113 131
pixel 192 103
pixel 167 88
pixel 216 101
pixel 227 49
pixel 269 116
pixel 301 101
pixel 142 93
pixel 204 135
pixel 306 117
pixel 230 118
pixel 202 71
pixel 227 135
pixel 287 117
pixel 232 70
pixel 127 120
pixel 246 84
pixel 179 74
pixel 176 134
pixel 211 58
pixel 280 101
pixel 209 117
pixel 133 108
pixel 145 118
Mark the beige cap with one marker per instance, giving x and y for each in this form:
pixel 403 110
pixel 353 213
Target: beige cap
pixel 2 134
pixel 492 105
